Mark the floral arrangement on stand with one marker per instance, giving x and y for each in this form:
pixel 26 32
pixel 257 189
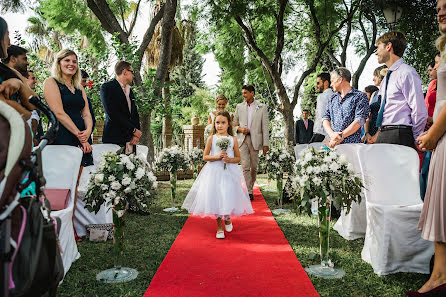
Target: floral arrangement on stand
pixel 195 157
pixel 119 180
pixel 330 178
pixel 172 159
pixel 279 162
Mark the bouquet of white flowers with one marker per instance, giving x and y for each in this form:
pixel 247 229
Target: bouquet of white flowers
pixel 319 174
pixel 223 143
pixel 278 162
pixel 121 179
pixel 328 177
pixel 172 159
pixel 195 157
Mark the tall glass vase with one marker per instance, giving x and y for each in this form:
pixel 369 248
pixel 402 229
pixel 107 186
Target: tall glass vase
pixel 173 189
pixel 118 273
pixel 279 184
pixel 325 269
pixel 195 171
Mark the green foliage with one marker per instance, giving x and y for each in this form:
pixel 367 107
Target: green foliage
pixel 71 16
pixel 420 26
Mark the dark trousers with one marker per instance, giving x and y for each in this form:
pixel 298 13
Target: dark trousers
pixel 424 173
pixel 317 138
pixel 397 134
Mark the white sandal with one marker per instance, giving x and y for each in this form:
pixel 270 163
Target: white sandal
pixel 220 234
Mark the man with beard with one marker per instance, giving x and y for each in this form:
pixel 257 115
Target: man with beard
pixel 325 93
pixel 17 59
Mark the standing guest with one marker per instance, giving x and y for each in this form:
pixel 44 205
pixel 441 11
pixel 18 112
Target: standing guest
pixel 84 84
pixel 68 101
pixel 121 114
pixel 346 111
pixel 17 59
pixel 13 90
pixel 303 130
pixel 402 115
pixel 430 100
pixel 252 134
pixel 370 130
pixel 34 122
pixel 432 219
pixel 325 93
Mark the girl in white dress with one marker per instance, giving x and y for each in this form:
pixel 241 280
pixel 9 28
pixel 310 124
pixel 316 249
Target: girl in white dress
pixel 220 192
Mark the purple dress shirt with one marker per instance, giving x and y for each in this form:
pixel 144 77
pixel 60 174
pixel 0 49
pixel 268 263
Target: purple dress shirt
pixel 405 102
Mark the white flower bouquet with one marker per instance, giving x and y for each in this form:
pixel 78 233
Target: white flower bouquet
pixel 195 157
pixel 121 179
pixel 320 174
pixel 172 159
pixel 223 143
pixel 278 162
pixel 327 177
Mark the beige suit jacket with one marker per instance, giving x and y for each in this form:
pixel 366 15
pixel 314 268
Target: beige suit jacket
pixel 259 129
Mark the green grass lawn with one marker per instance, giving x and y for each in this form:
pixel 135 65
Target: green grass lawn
pixel 148 239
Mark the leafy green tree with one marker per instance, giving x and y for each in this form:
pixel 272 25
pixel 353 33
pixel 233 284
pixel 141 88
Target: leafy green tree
pixel 274 31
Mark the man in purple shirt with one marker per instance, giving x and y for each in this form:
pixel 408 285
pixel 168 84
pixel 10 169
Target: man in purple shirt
pixel 402 115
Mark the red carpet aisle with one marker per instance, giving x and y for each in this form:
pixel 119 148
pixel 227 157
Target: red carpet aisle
pixel 253 260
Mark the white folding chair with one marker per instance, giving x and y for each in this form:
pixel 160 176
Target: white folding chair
pixel 142 149
pixel 392 242
pixel 61 165
pixel 352 225
pixel 83 216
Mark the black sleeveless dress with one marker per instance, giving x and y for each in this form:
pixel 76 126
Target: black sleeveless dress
pixel 73 104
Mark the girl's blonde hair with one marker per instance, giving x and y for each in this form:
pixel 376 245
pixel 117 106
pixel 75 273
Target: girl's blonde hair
pixel 226 115
pixel 56 71
pixel 221 97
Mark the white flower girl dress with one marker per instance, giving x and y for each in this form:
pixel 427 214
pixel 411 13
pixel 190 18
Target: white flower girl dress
pixel 219 192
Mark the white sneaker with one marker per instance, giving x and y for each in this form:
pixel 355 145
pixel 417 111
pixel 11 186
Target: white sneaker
pixel 220 234
pixel 228 228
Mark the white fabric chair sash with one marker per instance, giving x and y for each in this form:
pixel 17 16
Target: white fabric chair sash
pixel 61 165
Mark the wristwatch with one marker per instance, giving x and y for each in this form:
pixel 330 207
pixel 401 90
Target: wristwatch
pixel 341 135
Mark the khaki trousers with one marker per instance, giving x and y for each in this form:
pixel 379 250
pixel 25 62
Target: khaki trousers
pixel 249 159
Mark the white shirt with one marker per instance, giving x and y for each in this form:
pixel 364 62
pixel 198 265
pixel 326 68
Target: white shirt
pixel 126 91
pixel 321 106
pixel 250 109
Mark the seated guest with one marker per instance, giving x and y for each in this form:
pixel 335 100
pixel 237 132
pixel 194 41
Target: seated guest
pixel 346 111
pixel 67 99
pixel 402 115
pixel 303 130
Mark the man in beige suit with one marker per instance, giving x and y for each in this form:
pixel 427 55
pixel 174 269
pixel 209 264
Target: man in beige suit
pixel 252 134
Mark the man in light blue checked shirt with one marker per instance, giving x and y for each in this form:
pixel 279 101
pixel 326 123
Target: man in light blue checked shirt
pixel 347 110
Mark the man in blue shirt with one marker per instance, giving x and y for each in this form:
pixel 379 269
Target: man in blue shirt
pixel 347 110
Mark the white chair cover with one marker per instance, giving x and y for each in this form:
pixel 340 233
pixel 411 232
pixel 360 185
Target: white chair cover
pixel 61 165
pixel 83 216
pixel 142 149
pixel 352 225
pixel 392 242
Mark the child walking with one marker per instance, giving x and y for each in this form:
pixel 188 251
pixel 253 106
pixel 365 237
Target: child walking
pixel 220 190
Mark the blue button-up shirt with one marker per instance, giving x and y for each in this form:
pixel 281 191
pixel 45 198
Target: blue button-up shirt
pixel 341 112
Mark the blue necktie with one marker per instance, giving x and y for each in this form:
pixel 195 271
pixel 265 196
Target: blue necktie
pixel 379 118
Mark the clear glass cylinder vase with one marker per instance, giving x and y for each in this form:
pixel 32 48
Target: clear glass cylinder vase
pixel 173 186
pixel 118 237
pixel 279 184
pixel 324 213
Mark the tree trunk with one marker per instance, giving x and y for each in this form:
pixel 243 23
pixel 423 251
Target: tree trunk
pixel 146 138
pixel 167 118
pixel 288 119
